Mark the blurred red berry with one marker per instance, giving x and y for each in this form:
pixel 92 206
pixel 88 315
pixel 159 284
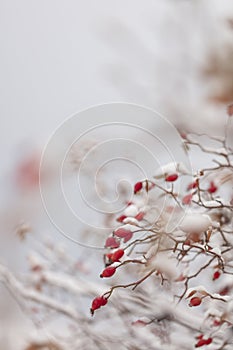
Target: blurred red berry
pixel 200 343
pixel 121 218
pixel 171 178
pixel 180 278
pixel 140 216
pixel 187 199
pixel 27 173
pixel 111 242
pixel 203 342
pixel 225 291
pixel 128 236
pixel 217 323
pixel 212 188
pixel 192 185
pixel 200 336
pixel 122 232
pixel 216 275
pixel 208 341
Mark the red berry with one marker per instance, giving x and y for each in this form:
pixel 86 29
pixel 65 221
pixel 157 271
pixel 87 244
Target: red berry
pixel 109 256
pixel 212 188
pixel 216 275
pixel 103 301
pixel 128 236
pixel 137 187
pixel 140 216
pixel 117 255
pixel 111 242
pixel 122 233
pixel 203 342
pixel 226 290
pixel 200 342
pixel 217 323
pixel 108 272
pixel 208 341
pixel 200 336
pixel 192 185
pixel 121 218
pixel 187 199
pixel 97 303
pixel 108 259
pixel 180 278
pixel 195 301
pixel 171 178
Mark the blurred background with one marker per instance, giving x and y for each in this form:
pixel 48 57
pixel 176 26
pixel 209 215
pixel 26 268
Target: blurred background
pixel 62 57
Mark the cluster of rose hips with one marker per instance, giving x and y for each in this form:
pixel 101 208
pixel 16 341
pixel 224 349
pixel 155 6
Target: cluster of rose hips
pixel 122 234
pixel 212 188
pixel 107 272
pixel 111 258
pixel 114 257
pixel 186 200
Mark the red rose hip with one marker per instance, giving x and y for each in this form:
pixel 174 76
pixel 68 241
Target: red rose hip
pixel 137 187
pixel 195 301
pixel 171 178
pixel 108 272
pixel 97 303
pixel 117 255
